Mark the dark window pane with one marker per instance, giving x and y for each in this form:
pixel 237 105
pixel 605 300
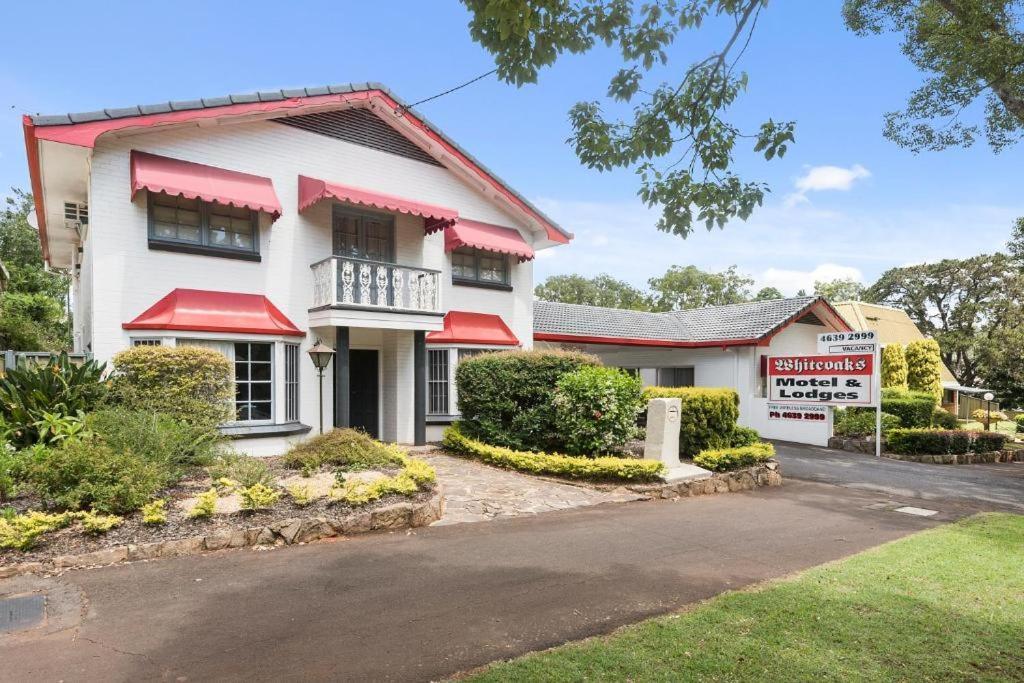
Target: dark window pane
pixel 241 352
pixel 261 352
pixel 260 411
pixel 260 372
pixel 241 372
pixel 260 392
pixel 241 391
pixel 242 412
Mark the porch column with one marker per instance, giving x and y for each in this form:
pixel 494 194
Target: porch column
pixel 419 364
pixel 341 377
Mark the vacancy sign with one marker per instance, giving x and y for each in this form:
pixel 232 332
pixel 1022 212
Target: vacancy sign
pixel 864 341
pixel 840 379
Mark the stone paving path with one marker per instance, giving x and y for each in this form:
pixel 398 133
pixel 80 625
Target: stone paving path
pixel 477 493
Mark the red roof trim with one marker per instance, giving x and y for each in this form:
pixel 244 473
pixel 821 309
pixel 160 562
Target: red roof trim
pixel 464 327
pixel 198 310
pixel 199 181
pixel 36 178
pixel 313 190
pixel 501 240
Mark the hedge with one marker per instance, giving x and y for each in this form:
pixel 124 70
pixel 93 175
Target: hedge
pixel 192 384
pixel 603 468
pixel 707 418
pixel 855 422
pixel 913 408
pixel 596 410
pixel 924 366
pixel 943 441
pixel 894 366
pixel 506 398
pixel 725 459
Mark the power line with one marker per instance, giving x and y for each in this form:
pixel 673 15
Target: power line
pixel 451 90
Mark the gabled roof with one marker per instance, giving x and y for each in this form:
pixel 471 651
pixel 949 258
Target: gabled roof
pixel 84 128
pixel 737 324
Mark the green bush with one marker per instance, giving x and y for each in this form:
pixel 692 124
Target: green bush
pixel 725 459
pixel 191 384
pixel 744 436
pixel 349 449
pixel 155 512
pixel 604 468
pixel 88 473
pixel 707 419
pixel 596 409
pixel 944 441
pixel 858 422
pixel 12 472
pixel 913 408
pixel 258 497
pixel 943 419
pixel 155 435
pixel 415 476
pixel 19 532
pixel 206 503
pixel 894 366
pixel 95 524
pixel 1019 419
pixel 59 387
pixel 924 367
pixel 506 398
pixel 233 470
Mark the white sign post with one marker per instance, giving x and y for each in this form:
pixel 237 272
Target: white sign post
pixel 865 341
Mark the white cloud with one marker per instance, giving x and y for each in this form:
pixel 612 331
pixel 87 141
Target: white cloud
pixel 792 281
pixel 822 178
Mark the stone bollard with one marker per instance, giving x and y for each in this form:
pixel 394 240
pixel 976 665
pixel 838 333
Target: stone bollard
pixel 662 442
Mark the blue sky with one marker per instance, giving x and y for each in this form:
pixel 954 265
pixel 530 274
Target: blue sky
pixel 878 207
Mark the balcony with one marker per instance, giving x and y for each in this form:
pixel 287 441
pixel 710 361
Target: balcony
pixel 363 291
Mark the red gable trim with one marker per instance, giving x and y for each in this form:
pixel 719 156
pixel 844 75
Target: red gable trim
pixel 86 134
pixel 463 327
pixel 313 190
pixel 209 183
pixel 197 310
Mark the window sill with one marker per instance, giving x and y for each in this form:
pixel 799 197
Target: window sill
pixel 442 419
pixel 264 431
pixel 200 250
pixel 501 287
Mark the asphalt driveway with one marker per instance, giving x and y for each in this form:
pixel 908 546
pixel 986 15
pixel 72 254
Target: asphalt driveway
pixel 426 604
pixel 998 486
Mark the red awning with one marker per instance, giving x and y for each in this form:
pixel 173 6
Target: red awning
pixel 198 310
pixel 495 238
pixel 312 191
pixel 196 181
pixel 462 327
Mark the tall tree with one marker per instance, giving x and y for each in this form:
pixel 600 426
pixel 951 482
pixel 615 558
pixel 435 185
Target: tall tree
pixel 1016 244
pixel 767 293
pixel 840 289
pixel 33 314
pixel 679 137
pixel 602 290
pixel 681 288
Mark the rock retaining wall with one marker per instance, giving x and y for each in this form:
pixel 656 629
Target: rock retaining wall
pixel 285 532
pixel 844 443
pixel 747 479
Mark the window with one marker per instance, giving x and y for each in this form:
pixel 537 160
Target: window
pixel 364 235
pixel 469 353
pixel 437 382
pixel 675 377
pixel 194 226
pixel 253 381
pixel 476 266
pixel 291 382
pixel 146 342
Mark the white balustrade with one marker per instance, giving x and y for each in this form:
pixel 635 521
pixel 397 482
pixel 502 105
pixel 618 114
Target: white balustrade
pixel 356 283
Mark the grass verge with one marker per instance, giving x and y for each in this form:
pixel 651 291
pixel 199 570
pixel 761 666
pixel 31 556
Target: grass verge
pixel 945 604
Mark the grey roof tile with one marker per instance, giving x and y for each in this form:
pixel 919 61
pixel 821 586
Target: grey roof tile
pixel 321 90
pixel 751 320
pixel 86 116
pixel 158 108
pixel 186 105
pixel 122 112
pixel 216 101
pixel 52 120
pixel 270 96
pixel 294 92
pixel 244 98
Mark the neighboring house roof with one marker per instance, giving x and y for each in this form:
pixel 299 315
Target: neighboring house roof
pixel 83 129
pixel 737 324
pixel 893 326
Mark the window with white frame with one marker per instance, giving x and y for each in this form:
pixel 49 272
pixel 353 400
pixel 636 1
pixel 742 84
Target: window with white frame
pixel 438 380
pixel 254 378
pixel 146 342
pixel 291 382
pixel 675 377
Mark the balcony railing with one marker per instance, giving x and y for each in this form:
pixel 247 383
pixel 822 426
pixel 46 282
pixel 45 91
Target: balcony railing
pixel 350 282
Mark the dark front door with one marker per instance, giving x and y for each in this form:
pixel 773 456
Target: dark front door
pixel 363 391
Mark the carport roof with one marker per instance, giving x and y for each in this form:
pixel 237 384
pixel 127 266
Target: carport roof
pixel 746 323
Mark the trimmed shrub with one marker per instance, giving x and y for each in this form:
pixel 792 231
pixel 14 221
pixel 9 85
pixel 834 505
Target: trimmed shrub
pixel 943 419
pixel 21 531
pixel 155 436
pixel 96 524
pixel 944 441
pixel 913 408
pixel 861 422
pixel 192 384
pixel 744 436
pixel 506 398
pixel 350 449
pixel 258 497
pixel 89 473
pixel 59 388
pixel 986 442
pixel 894 366
pixel 707 418
pixel 604 468
pixel 596 408
pixel 725 459
pixel 155 512
pixel 924 367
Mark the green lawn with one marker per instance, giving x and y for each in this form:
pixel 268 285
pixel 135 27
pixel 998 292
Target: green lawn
pixel 1007 427
pixel 942 605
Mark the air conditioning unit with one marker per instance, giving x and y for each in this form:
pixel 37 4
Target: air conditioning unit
pixel 76 216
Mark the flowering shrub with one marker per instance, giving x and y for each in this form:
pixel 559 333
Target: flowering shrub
pixel 596 409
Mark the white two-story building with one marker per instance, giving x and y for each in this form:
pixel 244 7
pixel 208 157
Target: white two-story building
pixel 260 224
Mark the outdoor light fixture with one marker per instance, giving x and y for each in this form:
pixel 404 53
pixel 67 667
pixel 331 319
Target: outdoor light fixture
pixel 988 396
pixel 321 355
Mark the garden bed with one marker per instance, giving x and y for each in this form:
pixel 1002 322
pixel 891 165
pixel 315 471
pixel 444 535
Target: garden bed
pixel 1010 453
pixel 744 479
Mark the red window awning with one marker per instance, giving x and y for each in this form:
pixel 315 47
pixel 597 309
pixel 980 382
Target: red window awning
pixel 198 310
pixel 208 183
pixel 495 238
pixel 463 327
pixel 435 218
